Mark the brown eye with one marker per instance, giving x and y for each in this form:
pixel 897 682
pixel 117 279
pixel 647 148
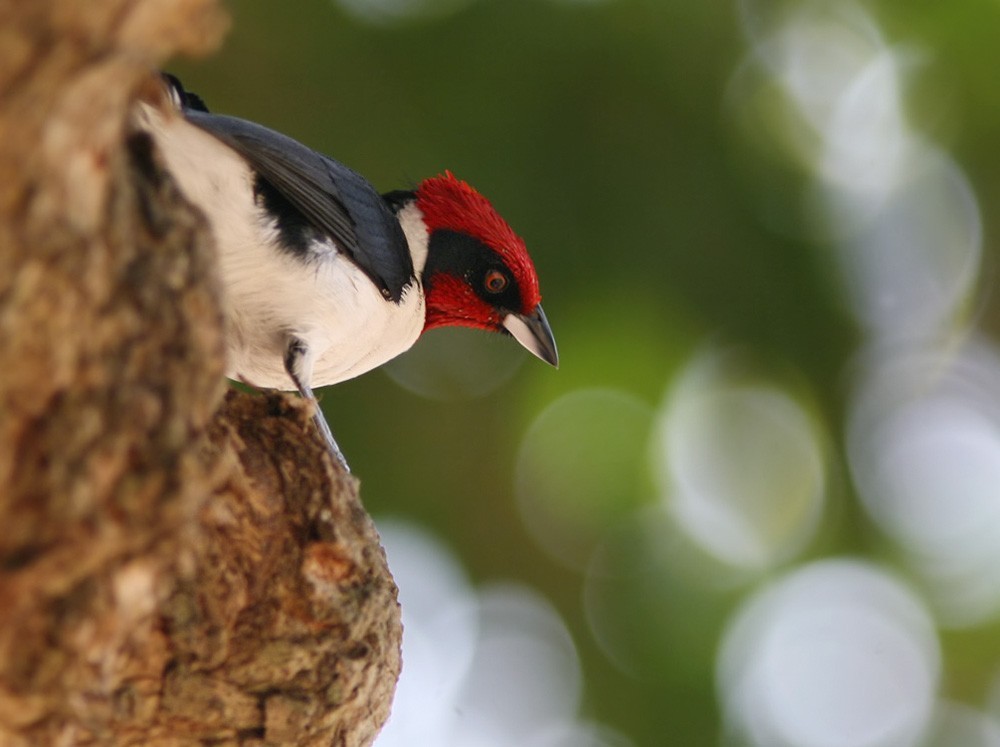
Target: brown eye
pixel 495 281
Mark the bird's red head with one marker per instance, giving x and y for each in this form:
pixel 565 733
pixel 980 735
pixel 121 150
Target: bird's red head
pixel 478 272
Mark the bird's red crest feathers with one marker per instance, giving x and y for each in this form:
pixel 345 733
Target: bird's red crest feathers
pixel 451 204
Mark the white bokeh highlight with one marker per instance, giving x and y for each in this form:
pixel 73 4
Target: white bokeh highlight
pixel 910 257
pixel 837 654
pixel 489 667
pixel 740 464
pixel 924 448
pixel 903 222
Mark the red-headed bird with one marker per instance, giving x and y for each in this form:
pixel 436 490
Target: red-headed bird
pixel 323 277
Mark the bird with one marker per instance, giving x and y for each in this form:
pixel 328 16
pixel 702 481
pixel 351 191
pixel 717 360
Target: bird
pixel 323 277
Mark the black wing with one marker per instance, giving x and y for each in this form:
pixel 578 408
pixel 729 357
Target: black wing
pixel 334 199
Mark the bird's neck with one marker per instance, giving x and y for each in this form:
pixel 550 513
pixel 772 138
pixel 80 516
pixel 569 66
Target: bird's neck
pixel 411 219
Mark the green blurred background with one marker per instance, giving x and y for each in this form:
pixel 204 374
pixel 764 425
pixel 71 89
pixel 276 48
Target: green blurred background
pixel 659 178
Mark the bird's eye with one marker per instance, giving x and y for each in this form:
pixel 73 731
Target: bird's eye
pixel 495 281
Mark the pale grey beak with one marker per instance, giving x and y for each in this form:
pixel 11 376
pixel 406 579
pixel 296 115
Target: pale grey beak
pixel 534 333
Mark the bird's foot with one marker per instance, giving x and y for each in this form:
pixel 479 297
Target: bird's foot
pixel 298 365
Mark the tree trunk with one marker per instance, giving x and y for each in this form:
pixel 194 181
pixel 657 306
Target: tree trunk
pixel 179 564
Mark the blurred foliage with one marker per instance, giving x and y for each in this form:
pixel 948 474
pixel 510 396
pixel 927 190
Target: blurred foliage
pixel 605 133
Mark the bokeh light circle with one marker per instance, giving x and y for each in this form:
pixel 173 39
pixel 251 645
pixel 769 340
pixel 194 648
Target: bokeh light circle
pixel 455 364
pixel 438 606
pixel 923 442
pixel 581 469
pixel 526 674
pixel 491 667
pixel 741 465
pixel 837 654
pixel 913 255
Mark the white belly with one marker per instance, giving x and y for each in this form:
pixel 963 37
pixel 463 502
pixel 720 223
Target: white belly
pixel 331 305
pixel 270 295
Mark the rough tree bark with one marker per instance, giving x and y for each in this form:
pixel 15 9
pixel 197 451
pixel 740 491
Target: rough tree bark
pixel 178 564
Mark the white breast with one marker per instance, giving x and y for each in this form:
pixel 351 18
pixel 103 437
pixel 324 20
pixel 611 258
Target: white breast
pixel 270 294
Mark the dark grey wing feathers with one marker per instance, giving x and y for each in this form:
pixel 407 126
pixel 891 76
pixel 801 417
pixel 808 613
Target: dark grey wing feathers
pixel 334 199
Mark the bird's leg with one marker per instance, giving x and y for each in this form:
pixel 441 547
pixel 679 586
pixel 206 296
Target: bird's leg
pixel 298 364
